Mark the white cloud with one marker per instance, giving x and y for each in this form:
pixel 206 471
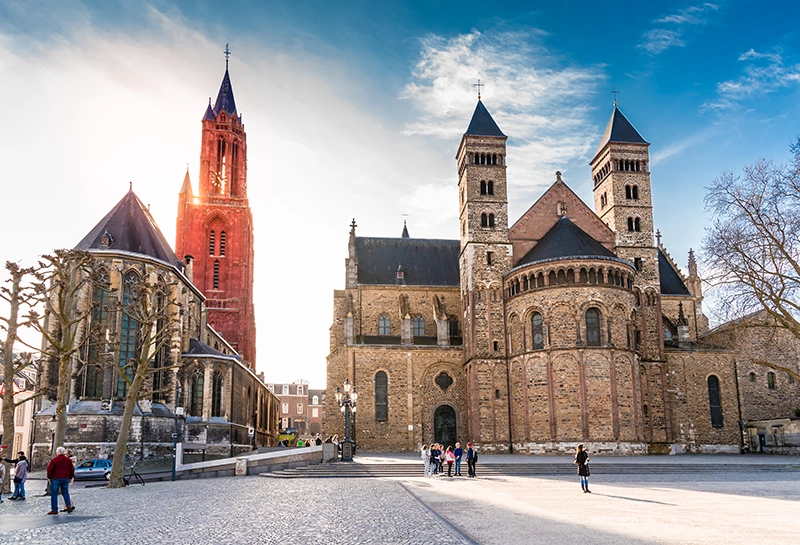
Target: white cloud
pixel 672 29
pixel 542 105
pixel 764 73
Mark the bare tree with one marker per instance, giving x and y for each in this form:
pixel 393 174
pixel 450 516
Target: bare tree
pixel 18 296
pixel 63 281
pixel 752 251
pixel 155 317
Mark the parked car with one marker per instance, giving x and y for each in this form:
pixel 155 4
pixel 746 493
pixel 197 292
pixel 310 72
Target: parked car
pixel 93 469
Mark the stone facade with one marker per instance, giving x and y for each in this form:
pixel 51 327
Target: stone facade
pixel 575 325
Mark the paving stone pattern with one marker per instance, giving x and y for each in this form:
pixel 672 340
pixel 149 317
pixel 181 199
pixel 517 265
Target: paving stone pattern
pixel 233 510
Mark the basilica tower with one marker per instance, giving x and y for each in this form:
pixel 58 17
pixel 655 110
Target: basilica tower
pixel 623 200
pixel 215 227
pixel 485 258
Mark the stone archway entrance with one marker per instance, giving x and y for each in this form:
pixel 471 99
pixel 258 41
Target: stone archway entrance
pixel 444 425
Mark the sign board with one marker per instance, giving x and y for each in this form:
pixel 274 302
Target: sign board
pixel 251 432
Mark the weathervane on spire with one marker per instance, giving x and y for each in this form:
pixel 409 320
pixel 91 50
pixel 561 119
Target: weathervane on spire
pixel 479 85
pixel 227 55
pixel 615 93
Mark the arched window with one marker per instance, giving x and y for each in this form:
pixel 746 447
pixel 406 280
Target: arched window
pixel 384 325
pixel 484 220
pixel 491 220
pixel 216 275
pixel 714 401
pixel 129 336
pixel 630 224
pixel 636 226
pixel 771 380
pixel 222 243
pixel 212 242
pixel 551 278
pixel 592 276
pixel 483 187
pixel 593 327
pixel 540 280
pixel 584 276
pixel 635 192
pixel 752 377
pixel 453 326
pixel 537 331
pixel 490 188
pixel 196 393
pixel 418 326
pixel 381 397
pixel 91 377
pixel 628 194
pixel 315 400
pixel 216 394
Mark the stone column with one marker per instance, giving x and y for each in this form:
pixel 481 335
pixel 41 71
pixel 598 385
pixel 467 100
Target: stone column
pixel 442 332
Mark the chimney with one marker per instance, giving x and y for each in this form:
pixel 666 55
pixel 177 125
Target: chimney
pixel 188 261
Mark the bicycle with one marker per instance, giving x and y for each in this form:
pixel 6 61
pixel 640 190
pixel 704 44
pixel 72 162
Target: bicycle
pixel 132 476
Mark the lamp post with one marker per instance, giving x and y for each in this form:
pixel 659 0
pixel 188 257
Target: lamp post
pixel 347 404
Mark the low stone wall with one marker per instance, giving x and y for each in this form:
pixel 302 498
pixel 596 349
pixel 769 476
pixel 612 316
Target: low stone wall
pixel 568 447
pixel 266 462
pixel 776 436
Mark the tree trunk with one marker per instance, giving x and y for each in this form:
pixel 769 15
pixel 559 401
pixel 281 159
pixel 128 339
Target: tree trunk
pixel 125 427
pixel 8 371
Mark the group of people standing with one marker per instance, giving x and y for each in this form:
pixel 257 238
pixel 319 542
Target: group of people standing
pixel 436 456
pixel 60 473
pixel 20 476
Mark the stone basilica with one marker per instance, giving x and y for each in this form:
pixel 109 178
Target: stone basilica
pixel 572 325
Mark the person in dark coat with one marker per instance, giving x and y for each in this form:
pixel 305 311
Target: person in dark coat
pixel 472 458
pixel 582 461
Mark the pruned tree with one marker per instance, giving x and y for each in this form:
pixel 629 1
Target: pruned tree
pixel 152 317
pixel 18 295
pixel 752 250
pixel 63 282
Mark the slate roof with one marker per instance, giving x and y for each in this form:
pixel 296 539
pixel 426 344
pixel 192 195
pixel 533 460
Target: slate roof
pixel 202 350
pixel 482 123
pixel 566 240
pixel 619 129
pixel 426 262
pixel 132 229
pixel 671 283
pixel 225 99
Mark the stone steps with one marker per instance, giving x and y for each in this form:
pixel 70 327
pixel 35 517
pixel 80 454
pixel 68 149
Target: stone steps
pixel 356 470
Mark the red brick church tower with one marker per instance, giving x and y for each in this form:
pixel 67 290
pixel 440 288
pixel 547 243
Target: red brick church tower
pixel 215 227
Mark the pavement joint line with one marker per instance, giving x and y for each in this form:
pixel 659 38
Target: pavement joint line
pixel 464 535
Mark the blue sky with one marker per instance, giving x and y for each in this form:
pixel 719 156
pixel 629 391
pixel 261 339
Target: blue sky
pixel 355 109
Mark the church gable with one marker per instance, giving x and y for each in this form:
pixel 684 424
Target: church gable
pixel 545 213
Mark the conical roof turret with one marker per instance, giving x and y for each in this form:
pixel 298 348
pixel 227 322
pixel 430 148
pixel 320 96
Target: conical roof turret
pixel 482 123
pixel 619 129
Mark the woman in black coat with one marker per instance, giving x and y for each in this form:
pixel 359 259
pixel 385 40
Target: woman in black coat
pixel 582 461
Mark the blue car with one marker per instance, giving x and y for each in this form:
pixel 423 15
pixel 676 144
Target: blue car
pixel 93 469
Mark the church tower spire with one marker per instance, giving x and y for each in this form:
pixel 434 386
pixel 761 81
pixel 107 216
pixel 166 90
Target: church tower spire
pixel 215 226
pixel 622 196
pixel 484 260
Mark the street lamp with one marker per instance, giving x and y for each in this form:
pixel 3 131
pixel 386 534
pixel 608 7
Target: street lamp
pixel 347 404
pixel 178 413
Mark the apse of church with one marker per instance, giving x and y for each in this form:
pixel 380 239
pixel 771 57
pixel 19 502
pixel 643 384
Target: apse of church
pixel 215 227
pixel 569 326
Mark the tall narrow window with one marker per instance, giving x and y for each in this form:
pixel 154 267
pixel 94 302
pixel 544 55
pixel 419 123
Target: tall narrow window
pixel 381 397
pixel 630 224
pixel 636 225
pixel 537 331
pixel 771 380
pixel 212 242
pixel 628 194
pixel 91 377
pixel 384 325
pixel 222 240
pixel 216 394
pixel 483 187
pixel 484 220
pixel 196 393
pixel 418 326
pixel 216 275
pixel 714 401
pixel 160 378
pixel 490 188
pixel 635 192
pixel 593 327
pixel 491 220
pixel 129 336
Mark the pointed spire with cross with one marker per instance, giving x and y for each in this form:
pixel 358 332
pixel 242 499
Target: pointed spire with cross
pixel 658 237
pixel 615 93
pixel 227 55
pixel 478 85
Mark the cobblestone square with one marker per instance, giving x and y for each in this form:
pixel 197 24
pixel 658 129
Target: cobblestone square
pixel 716 508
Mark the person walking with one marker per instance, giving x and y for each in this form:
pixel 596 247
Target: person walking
pixel 60 472
pixel 472 458
pixel 449 457
pixel 458 452
pixel 582 461
pixel 20 475
pixel 425 453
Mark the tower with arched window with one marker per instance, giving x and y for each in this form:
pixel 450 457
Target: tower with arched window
pixel 215 226
pixel 484 259
pixel 621 175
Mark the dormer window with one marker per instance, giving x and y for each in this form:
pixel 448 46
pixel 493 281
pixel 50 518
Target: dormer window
pixel 400 272
pixel 106 240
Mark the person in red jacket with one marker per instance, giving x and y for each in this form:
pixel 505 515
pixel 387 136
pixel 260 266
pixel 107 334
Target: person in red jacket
pixel 60 472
